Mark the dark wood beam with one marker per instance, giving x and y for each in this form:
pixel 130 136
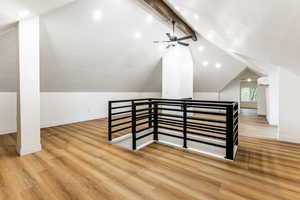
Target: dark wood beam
pixel 165 11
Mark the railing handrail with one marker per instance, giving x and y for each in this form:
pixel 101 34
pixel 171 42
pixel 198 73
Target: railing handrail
pixel 167 99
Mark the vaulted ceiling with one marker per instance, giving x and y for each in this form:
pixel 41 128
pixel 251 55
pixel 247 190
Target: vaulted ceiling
pixel 265 32
pixel 92 45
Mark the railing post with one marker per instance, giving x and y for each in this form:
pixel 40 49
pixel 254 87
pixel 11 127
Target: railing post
pixel 109 121
pixel 184 125
pixel 150 113
pixel 133 125
pixel 155 127
pixel 229 132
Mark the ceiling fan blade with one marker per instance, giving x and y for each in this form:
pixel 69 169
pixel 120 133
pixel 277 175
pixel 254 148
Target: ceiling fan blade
pixel 184 44
pixel 161 42
pixel 169 36
pixel 168 46
pixel 185 38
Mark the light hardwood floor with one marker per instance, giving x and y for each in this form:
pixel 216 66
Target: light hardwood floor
pixel 78 163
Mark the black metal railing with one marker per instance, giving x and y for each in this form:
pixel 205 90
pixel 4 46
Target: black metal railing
pixel 212 123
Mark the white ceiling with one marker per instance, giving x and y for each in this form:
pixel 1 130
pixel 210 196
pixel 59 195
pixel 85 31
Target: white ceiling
pixel 10 9
pixel 209 78
pixel 81 54
pixel 265 31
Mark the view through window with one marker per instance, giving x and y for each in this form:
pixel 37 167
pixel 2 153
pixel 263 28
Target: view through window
pixel 248 94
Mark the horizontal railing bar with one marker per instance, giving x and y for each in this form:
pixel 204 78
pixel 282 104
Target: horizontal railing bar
pixel 119 124
pixel 142 130
pixel 194 118
pixel 236 114
pixel 207 120
pixel 128 100
pixel 208 143
pixel 193 140
pixel 193 133
pixel 170 115
pixel 200 128
pixel 118 107
pixel 195 111
pixel 144 109
pixel 235 140
pixel 141 137
pixel 235 128
pixel 236 121
pixel 235 134
pixel 116 119
pixel 209 128
pixel 208 107
pixel 189 104
pixel 194 103
pixel 171 135
pixel 172 129
pixel 194 123
pixel 142 114
pixel 123 112
pixel 142 123
pixel 171 109
pixel 205 130
pixel 205 135
pixel 206 112
pixel 194 106
pixel 143 117
pixel 121 129
pixel 191 100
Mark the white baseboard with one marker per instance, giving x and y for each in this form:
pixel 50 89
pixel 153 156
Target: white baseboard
pixel 52 124
pixel 8 131
pixel 29 150
pixel 287 139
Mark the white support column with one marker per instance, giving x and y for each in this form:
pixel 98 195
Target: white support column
pixel 29 87
pixel 178 73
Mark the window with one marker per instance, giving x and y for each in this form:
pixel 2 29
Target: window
pixel 248 94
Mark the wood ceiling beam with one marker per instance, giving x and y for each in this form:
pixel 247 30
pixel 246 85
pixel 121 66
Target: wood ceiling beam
pixel 166 12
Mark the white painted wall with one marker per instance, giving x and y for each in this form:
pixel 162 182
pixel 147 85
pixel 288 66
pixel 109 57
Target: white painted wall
pixel 8 112
pixel 261 100
pixel 272 98
pixel 231 92
pixel 206 96
pixel 64 108
pixel 177 73
pixel 59 108
pixel 289 121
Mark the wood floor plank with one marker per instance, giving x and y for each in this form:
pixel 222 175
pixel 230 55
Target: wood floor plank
pixel 77 162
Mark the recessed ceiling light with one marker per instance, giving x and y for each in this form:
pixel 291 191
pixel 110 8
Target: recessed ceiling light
pixel 149 19
pixel 218 65
pixel 201 48
pixel 249 79
pixel 97 15
pixel 24 13
pixel 205 63
pixel 138 35
pixel 196 16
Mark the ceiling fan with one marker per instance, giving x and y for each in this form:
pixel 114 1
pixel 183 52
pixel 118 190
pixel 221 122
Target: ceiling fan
pixel 173 39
